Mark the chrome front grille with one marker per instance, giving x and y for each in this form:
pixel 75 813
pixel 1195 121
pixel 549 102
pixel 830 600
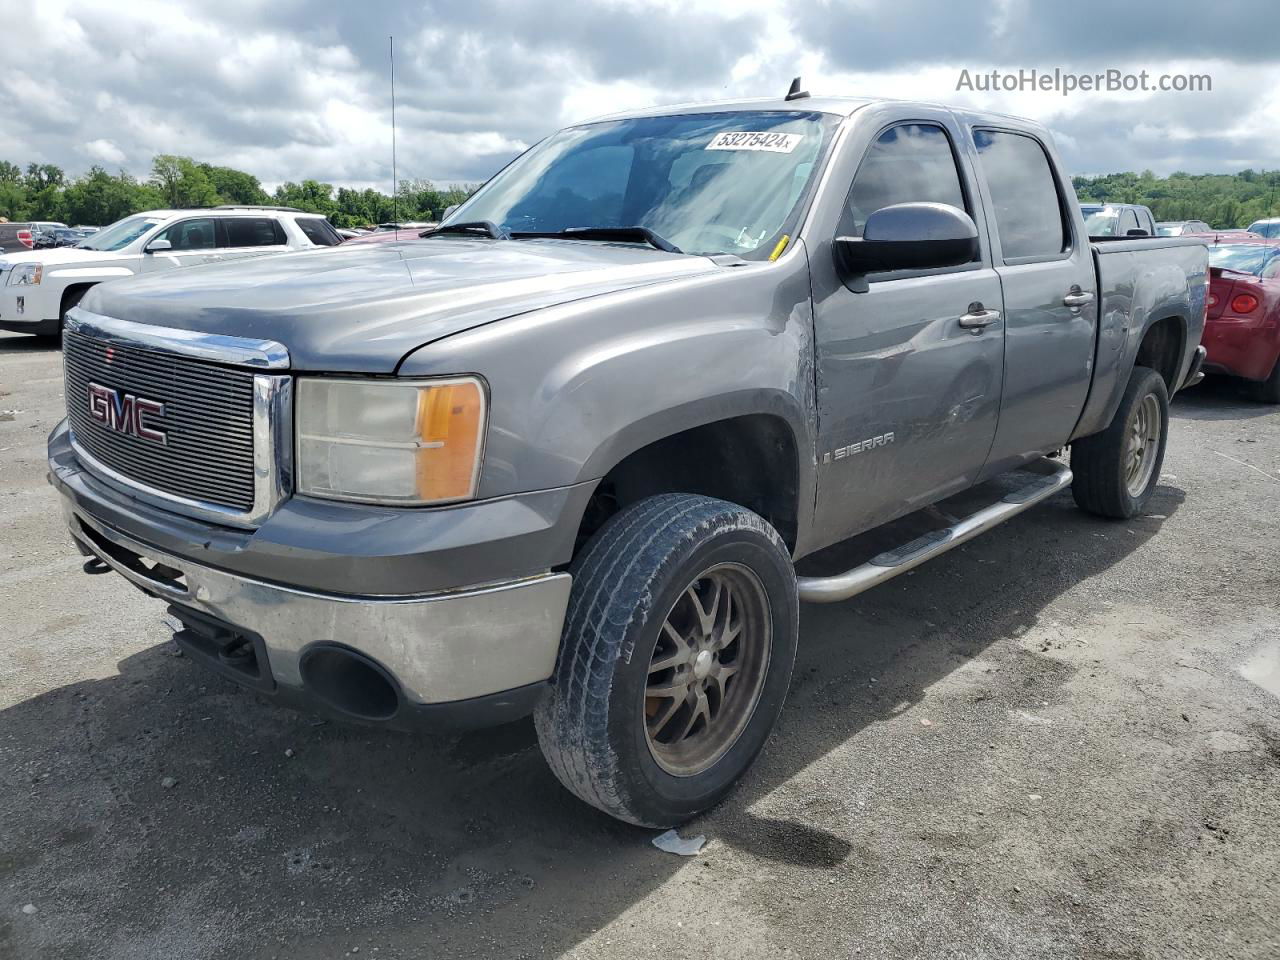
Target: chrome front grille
pixel 166 422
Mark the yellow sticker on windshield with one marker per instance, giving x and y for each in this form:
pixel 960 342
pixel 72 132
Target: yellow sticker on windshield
pixel 748 140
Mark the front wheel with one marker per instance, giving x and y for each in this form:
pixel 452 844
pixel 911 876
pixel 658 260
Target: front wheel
pixel 1116 471
pixel 677 653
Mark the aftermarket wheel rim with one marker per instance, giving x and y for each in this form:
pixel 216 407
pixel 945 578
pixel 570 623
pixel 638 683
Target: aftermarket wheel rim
pixel 707 669
pixel 1142 445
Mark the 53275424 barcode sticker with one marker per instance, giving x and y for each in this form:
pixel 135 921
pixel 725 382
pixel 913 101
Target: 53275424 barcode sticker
pixel 748 140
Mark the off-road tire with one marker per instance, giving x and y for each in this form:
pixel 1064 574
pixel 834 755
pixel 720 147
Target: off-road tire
pixel 592 726
pixel 1098 462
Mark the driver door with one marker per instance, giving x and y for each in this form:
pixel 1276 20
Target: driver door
pixel 908 394
pixel 192 241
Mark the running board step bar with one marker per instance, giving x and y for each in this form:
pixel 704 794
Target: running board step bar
pixel 892 563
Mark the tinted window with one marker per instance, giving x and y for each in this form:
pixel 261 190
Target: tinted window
pixel 190 234
pixel 253 232
pixel 318 231
pixel 1027 209
pixel 912 163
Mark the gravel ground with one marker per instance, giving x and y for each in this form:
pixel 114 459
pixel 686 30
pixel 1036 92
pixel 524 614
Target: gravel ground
pixel 1062 740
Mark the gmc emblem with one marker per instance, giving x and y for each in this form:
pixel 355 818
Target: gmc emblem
pixel 125 413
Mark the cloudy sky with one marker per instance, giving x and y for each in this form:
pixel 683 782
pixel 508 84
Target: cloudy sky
pixel 292 89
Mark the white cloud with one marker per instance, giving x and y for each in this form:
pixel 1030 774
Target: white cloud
pixel 296 90
pixel 105 152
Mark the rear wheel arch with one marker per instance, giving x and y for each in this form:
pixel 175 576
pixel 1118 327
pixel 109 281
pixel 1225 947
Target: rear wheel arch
pixel 1162 349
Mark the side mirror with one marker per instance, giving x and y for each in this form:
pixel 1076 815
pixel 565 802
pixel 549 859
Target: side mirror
pixel 909 236
pixel 159 246
pixel 448 211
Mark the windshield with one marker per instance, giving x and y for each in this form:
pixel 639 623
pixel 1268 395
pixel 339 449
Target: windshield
pixel 1168 229
pixel 1245 257
pixel 707 183
pixel 1102 224
pixel 119 234
pixel 1267 228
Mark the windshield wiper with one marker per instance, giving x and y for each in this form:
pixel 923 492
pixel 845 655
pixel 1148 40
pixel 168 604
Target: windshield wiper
pixel 487 227
pixel 635 234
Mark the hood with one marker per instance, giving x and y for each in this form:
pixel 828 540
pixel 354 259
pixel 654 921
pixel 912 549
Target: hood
pixel 56 256
pixel 361 310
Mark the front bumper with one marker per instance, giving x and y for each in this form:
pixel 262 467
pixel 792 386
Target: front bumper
pixel 28 309
pixel 467 656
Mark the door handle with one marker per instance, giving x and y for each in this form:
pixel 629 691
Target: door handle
pixel 1077 298
pixel 978 318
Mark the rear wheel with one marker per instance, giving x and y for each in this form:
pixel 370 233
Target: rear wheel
pixel 1116 471
pixel 1268 391
pixel 676 656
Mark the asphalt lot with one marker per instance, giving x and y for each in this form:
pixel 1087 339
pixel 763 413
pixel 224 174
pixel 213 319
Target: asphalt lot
pixel 1062 740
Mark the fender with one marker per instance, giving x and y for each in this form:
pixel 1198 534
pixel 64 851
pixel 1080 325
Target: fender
pixel 578 387
pixel 1137 294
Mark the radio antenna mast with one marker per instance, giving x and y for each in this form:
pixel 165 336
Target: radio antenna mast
pixel 395 198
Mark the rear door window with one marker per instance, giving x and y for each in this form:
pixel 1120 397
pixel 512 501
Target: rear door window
pixel 318 231
pixel 1029 214
pixel 253 232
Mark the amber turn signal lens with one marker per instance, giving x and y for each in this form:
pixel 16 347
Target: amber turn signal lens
pixel 450 421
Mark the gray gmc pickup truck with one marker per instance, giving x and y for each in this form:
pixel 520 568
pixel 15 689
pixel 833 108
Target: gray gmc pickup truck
pixel 561 455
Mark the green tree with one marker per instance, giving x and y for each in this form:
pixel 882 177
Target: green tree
pixel 100 198
pixel 234 186
pixel 182 182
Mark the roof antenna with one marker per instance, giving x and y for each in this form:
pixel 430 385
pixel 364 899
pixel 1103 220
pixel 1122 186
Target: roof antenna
pixel 395 198
pixel 795 93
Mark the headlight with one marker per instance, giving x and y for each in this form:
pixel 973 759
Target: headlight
pixel 386 441
pixel 26 274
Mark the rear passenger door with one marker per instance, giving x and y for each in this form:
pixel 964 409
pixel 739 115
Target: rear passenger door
pixel 1050 296
pixel 250 237
pixel 907 395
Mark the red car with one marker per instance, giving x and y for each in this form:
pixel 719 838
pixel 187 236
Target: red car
pixel 1242 331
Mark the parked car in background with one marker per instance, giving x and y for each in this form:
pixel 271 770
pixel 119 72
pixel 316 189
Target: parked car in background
pixel 1178 228
pixel 391 236
pixel 407 225
pixel 1242 329
pixel 560 455
pixel 1107 221
pixel 58 237
pixel 14 237
pixel 1269 227
pixel 38 287
pixel 24 236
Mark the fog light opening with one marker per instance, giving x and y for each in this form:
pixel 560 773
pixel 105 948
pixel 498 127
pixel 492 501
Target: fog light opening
pixel 349 682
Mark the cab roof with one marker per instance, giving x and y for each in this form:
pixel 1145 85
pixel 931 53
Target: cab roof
pixel 836 106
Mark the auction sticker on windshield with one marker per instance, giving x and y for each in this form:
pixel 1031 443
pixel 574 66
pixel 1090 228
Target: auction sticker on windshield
pixel 748 140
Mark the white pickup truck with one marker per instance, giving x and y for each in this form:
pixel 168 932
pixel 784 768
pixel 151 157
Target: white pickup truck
pixel 38 287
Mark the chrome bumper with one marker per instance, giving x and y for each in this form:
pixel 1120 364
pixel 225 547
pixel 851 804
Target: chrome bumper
pixel 440 648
